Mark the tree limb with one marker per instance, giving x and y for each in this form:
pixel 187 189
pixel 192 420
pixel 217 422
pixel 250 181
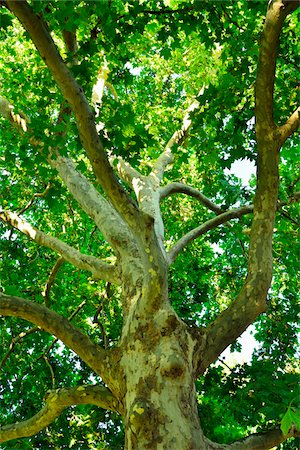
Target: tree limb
pixel 257 441
pixel 55 402
pixel 14 342
pixel 178 137
pixel 209 225
pixel 251 300
pixel 18 119
pixel 291 125
pixel 36 195
pixel 98 268
pixel 223 216
pixel 95 357
pixel 73 93
pixel 180 188
pixel 264 88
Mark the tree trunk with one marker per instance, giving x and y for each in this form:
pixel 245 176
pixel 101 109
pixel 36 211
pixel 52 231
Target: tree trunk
pixel 160 408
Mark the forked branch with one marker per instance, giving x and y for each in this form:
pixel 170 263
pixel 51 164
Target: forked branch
pixel 55 402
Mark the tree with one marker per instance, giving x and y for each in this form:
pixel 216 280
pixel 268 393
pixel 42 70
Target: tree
pixel 94 154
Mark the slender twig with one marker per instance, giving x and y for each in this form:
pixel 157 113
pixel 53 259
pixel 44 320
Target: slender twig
pixel 15 341
pixel 50 281
pixel 35 196
pixel 56 339
pixel 46 359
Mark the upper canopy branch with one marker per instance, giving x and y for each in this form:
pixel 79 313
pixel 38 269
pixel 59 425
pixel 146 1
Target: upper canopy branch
pixel 264 88
pixel 178 137
pixel 55 402
pixel 98 268
pixel 94 356
pixel 181 188
pixel 209 225
pixel 73 93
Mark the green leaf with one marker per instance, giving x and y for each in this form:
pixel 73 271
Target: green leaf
pixel 290 419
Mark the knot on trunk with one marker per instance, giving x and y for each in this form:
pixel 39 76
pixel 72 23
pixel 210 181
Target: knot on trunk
pixel 173 367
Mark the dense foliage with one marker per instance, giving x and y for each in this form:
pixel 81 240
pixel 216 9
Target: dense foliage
pixel 161 56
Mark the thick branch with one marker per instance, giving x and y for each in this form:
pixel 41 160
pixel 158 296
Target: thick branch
pixel 251 300
pixel 264 91
pixel 209 225
pixel 180 188
pixel 258 441
pixel 98 268
pixel 73 93
pixel 109 222
pixel 95 357
pixel 55 402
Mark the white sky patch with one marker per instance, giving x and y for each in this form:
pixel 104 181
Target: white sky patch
pixel 248 343
pixel 133 70
pixel 243 169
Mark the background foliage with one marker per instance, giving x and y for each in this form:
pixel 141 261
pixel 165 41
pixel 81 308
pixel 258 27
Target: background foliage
pixel 161 55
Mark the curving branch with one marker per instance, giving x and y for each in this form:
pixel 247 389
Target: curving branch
pixel 74 94
pixel 257 441
pixel 95 357
pixel 55 403
pixel 98 268
pixel 251 300
pixel 36 195
pixel 181 188
pixel 223 216
pixel 205 227
pixel 277 12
